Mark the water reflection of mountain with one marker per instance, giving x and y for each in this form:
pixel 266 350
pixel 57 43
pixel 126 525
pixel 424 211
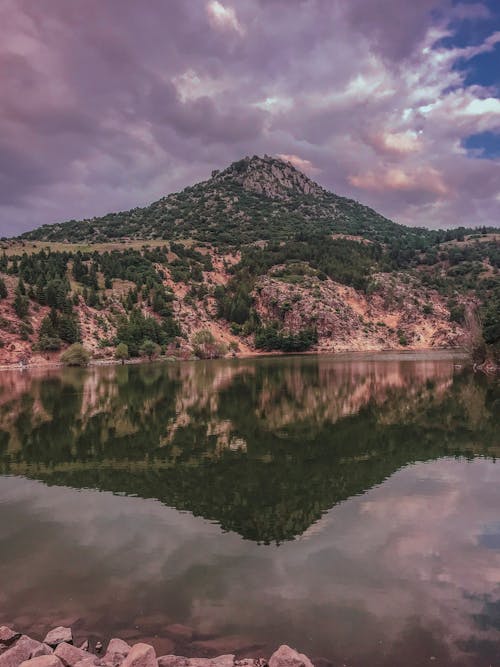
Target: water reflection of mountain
pixel 263 448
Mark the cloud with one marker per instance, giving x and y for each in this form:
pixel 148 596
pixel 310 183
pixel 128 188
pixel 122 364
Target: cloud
pixel 223 17
pixel 398 143
pixel 425 180
pixel 106 106
pixel 300 163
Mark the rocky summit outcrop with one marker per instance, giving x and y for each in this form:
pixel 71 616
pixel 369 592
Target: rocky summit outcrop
pixel 268 176
pixel 17 650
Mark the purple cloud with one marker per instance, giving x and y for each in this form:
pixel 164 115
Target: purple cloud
pixel 110 105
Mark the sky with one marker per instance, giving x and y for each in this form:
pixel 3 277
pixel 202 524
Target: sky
pixel 109 105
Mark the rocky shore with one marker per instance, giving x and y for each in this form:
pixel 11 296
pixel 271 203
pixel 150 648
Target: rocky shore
pixel 58 650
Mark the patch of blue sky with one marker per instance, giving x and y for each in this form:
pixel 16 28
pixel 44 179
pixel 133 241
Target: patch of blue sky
pixel 483 145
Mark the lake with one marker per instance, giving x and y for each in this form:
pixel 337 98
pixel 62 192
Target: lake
pixel 348 506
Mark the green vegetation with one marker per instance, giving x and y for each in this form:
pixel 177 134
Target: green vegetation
pixel 121 352
pixel 271 338
pixel 138 328
pixel 491 325
pixel 56 329
pixel 205 346
pixel 149 349
pixel 75 355
pixel 297 233
pixel 222 211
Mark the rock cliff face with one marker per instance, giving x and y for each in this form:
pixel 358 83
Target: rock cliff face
pixel 397 314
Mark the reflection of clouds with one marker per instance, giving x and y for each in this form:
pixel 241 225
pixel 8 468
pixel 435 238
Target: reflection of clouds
pixel 409 554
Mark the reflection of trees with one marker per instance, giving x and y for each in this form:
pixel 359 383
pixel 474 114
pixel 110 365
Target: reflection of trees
pixel 263 448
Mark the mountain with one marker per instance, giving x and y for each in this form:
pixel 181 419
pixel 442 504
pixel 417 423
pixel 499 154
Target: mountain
pixel 258 258
pixel 253 199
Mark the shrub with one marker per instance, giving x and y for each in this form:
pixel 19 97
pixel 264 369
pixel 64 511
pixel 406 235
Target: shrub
pixel 75 355
pixel 149 349
pixel 205 346
pixel 121 352
pixel 48 343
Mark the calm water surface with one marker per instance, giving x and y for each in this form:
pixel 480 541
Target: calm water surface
pixel 347 506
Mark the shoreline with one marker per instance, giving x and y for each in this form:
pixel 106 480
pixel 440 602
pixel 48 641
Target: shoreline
pixel 58 649
pixel 95 363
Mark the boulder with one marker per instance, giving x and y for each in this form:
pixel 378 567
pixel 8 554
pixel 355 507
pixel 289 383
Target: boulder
pixel 70 654
pixel 117 650
pixel 289 657
pixel 7 635
pixel 141 655
pixel 48 660
pixel 19 652
pixel 58 636
pixel 43 649
pixel 118 646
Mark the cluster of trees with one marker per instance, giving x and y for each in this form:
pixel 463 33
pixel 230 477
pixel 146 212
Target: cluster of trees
pixel 491 325
pixel 42 278
pixel 136 328
pixel 58 328
pixel 271 338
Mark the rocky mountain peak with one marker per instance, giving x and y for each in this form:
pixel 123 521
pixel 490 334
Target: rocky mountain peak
pixel 268 176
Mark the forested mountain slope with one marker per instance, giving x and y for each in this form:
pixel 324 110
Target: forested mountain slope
pixel 257 258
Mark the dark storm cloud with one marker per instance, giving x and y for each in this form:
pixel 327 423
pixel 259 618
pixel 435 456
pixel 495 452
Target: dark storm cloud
pixel 109 105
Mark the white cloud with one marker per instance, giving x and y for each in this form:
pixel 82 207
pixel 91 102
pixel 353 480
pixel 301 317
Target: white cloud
pixel 190 85
pixel 300 163
pixel 223 17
